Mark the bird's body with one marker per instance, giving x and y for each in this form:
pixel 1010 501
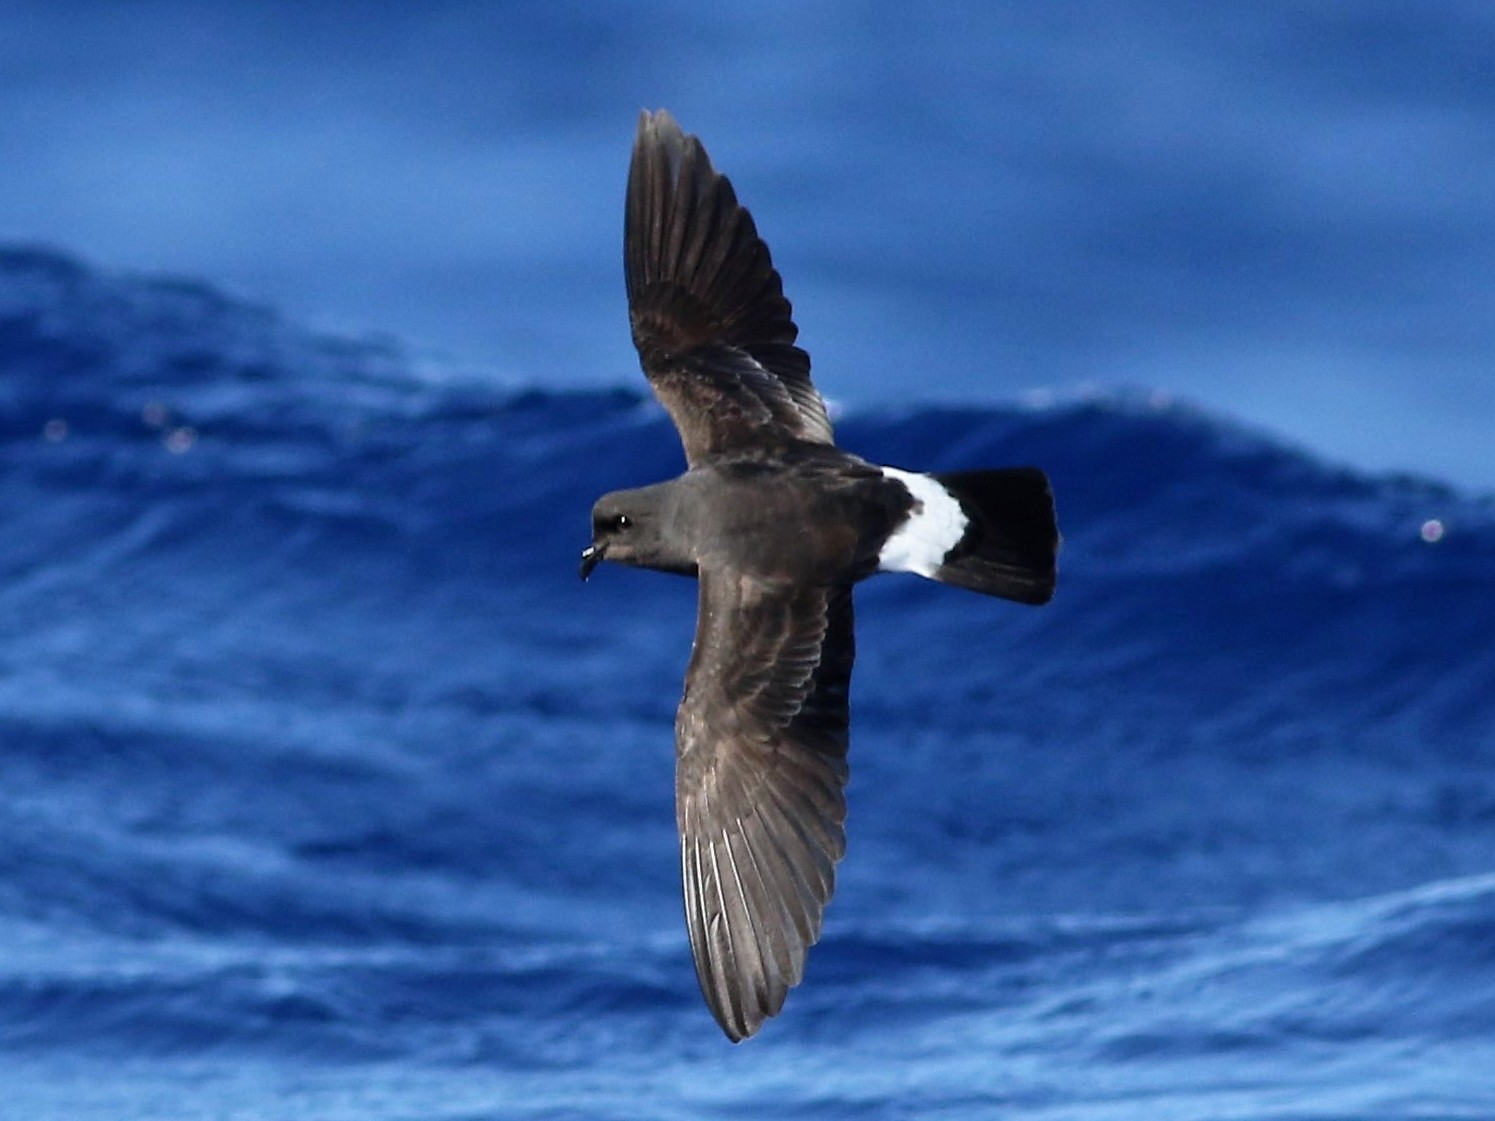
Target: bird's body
pixel 777 524
pixel 813 515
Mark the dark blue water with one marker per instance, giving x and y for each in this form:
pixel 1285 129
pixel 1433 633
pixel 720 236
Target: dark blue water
pixel 327 791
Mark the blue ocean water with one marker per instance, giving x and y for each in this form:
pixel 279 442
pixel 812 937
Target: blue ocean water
pixel 329 792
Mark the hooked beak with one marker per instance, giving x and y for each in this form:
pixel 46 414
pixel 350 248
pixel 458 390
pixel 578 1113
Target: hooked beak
pixel 591 557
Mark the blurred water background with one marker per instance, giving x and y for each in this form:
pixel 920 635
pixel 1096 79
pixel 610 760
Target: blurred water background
pixel 328 791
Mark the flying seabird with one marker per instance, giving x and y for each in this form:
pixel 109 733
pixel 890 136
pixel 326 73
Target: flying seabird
pixel 777 524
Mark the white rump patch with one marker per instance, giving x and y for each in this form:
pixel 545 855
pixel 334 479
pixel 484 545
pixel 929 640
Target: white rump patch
pixel 935 526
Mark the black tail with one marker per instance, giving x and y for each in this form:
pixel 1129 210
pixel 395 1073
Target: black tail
pixel 1012 538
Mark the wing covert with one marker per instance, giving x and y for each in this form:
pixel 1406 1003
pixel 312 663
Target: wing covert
pixel 714 332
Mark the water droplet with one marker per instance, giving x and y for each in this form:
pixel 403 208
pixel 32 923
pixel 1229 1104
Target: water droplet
pixel 1432 530
pixel 180 440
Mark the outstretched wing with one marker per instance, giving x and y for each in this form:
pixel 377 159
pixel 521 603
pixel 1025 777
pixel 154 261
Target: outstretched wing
pixel 761 741
pixel 713 330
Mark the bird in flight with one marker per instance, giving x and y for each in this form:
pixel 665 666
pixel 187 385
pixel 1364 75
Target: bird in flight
pixel 777 524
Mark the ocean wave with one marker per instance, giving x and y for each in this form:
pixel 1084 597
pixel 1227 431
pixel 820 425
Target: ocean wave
pixel 315 751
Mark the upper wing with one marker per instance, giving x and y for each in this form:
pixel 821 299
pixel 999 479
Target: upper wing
pixel 760 799
pixel 712 327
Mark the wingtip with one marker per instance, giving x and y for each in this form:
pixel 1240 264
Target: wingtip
pixel 658 126
pixel 661 117
pixel 739 1024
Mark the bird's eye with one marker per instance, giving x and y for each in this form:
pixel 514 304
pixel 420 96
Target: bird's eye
pixel 622 521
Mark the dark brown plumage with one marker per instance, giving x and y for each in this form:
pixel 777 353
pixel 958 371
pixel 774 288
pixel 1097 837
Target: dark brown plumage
pixel 710 321
pixel 777 524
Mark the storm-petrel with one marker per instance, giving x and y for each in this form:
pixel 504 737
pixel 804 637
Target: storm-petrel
pixel 777 524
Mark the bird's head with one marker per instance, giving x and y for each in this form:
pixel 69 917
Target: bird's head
pixel 614 530
pixel 635 527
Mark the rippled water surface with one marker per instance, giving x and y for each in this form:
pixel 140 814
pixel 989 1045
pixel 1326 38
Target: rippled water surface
pixel 329 792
